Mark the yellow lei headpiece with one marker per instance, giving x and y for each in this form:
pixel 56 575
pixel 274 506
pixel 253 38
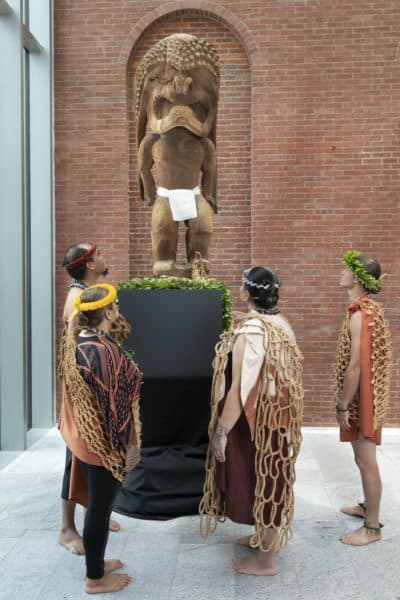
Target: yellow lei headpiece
pixel 85 306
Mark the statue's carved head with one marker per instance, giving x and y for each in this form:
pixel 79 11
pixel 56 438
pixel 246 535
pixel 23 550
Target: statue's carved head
pixel 176 85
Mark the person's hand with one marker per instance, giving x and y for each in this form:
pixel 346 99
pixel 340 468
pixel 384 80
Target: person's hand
pixel 220 440
pixel 342 418
pixel 132 458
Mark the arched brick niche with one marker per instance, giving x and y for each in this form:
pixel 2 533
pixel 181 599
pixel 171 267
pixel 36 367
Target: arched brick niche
pixel 231 250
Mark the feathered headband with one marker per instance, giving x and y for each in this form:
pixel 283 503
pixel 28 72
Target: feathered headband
pixel 82 259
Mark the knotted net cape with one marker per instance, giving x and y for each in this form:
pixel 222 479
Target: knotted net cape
pixel 278 408
pixel 376 363
pixel 103 424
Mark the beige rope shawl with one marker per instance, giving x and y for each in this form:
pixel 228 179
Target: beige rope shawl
pixel 120 329
pixel 283 363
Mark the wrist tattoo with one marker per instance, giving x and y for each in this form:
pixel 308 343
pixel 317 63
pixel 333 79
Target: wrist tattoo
pixel 220 432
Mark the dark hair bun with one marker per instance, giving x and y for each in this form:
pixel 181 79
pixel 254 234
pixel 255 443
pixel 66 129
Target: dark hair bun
pixel 263 286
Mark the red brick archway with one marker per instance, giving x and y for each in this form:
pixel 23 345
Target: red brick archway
pixel 209 10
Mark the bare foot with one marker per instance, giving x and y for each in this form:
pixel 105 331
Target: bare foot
pixel 112 565
pixel 114 525
pixel 353 511
pixel 71 540
pixel 360 537
pixel 253 566
pixel 110 582
pixel 244 541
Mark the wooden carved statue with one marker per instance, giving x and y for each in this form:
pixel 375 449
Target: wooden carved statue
pixel 176 87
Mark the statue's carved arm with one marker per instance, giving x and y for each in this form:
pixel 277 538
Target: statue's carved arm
pixel 145 163
pixel 209 169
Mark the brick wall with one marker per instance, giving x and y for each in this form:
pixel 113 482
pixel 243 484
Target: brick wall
pixel 308 149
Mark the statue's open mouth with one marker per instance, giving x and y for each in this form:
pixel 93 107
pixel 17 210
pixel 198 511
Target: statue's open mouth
pixel 163 107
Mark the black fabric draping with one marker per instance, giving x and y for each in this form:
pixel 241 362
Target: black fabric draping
pixel 173 335
pixel 168 482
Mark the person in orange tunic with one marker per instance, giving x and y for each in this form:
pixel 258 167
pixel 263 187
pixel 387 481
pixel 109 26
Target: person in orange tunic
pixel 362 380
pixel 85 265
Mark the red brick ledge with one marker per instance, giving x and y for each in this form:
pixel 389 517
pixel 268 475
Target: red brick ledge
pixel 212 10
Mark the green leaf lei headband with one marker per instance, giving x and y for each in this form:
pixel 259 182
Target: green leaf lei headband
pixel 359 271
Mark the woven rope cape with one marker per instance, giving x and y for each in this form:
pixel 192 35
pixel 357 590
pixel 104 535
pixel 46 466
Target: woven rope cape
pixel 87 412
pixel 381 359
pixel 120 329
pixel 283 360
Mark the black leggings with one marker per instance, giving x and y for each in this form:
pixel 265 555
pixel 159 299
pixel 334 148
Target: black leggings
pixel 67 475
pixel 102 487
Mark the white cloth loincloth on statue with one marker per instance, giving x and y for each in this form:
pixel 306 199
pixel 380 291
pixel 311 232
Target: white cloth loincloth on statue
pixel 182 202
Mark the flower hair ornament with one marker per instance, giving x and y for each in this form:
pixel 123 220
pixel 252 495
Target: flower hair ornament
pixel 94 305
pixel 368 281
pixel 259 286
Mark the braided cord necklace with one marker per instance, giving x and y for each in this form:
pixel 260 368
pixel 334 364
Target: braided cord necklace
pixel 266 311
pixel 75 283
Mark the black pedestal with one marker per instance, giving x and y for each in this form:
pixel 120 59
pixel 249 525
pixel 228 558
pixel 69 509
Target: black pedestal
pixel 174 333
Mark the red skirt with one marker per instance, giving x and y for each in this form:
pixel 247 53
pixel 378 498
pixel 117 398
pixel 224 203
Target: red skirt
pixel 236 477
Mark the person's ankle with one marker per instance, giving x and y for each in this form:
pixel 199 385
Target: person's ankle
pixel 372 527
pixel 93 582
pixel 67 528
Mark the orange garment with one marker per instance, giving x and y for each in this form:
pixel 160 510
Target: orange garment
pixel 71 435
pixel 366 396
pixel 279 403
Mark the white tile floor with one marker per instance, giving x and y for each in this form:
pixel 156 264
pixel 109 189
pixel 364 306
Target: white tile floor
pixel 169 560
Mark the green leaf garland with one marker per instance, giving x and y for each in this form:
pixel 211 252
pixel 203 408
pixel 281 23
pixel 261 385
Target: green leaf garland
pixel 360 273
pixel 183 283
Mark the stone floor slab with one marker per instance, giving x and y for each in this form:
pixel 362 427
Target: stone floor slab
pixel 204 572
pixel 170 561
